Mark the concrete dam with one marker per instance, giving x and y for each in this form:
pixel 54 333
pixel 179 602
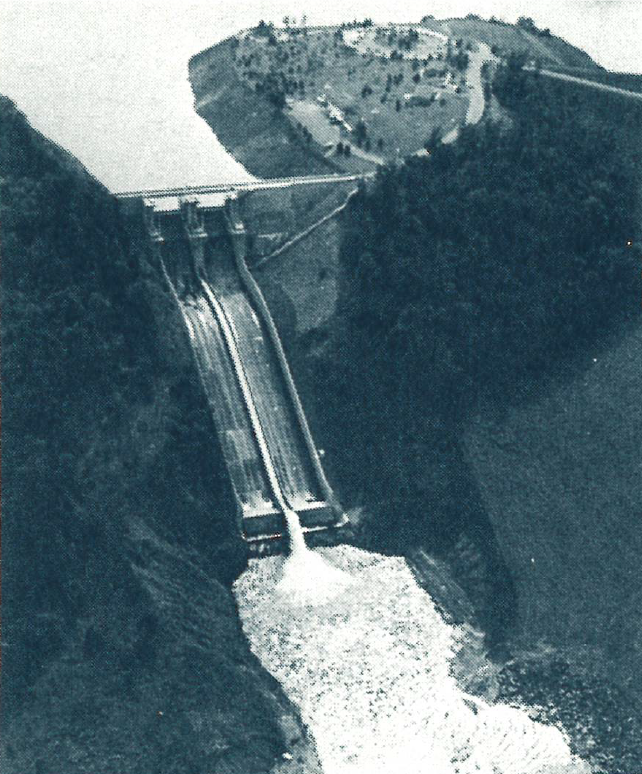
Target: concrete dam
pixel 201 245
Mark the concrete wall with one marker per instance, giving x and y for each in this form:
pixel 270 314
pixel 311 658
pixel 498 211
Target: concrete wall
pixel 306 274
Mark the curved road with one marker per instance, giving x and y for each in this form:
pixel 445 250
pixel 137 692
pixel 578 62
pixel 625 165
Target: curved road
pixel 474 79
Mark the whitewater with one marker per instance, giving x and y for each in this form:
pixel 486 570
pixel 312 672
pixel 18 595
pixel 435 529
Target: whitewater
pixel 363 652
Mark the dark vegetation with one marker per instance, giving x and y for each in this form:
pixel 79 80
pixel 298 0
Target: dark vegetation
pixel 504 258
pixel 117 508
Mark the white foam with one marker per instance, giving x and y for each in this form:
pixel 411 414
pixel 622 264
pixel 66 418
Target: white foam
pixel 363 652
pixel 306 577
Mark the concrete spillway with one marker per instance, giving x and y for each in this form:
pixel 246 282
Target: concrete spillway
pixel 353 640
pixel 264 437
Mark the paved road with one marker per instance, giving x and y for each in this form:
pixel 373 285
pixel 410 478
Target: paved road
pixel 474 79
pixel 588 82
pixel 244 185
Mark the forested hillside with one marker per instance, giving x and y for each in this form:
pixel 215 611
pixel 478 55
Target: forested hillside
pixel 122 650
pixel 474 280
pixel 502 254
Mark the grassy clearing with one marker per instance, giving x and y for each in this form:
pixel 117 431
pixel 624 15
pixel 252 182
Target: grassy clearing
pixel 370 94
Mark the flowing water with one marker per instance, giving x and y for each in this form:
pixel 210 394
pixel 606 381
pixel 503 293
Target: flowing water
pixel 365 655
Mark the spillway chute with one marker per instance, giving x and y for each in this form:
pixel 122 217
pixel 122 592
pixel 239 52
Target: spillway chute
pixel 273 464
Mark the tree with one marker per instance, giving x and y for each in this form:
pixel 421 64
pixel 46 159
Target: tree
pixel 360 131
pixel 434 140
pixel 526 23
pixel 264 30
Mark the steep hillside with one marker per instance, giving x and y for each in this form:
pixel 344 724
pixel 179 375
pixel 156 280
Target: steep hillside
pixel 122 650
pixel 560 479
pixel 485 269
pixel 251 128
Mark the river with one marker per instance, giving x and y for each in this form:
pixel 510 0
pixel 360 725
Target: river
pixel 364 654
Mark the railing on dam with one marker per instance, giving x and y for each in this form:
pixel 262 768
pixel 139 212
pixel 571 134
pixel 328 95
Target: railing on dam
pixel 228 188
pixel 271 457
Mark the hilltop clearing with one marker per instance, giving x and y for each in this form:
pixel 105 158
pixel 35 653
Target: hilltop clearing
pixel 523 37
pixel 294 100
pixel 345 98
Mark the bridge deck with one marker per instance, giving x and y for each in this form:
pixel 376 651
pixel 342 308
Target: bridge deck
pixel 229 188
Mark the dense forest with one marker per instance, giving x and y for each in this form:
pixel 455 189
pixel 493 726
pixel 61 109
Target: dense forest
pixel 471 274
pixel 498 256
pixel 119 536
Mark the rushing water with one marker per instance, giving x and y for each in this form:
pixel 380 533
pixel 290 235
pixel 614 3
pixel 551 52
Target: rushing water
pixel 363 652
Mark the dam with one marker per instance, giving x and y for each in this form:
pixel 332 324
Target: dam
pixel 372 678
pixel 201 246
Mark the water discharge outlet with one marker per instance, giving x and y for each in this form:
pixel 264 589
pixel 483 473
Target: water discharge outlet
pixel 350 636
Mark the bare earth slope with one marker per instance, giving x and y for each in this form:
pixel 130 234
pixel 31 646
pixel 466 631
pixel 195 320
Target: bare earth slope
pixel 250 128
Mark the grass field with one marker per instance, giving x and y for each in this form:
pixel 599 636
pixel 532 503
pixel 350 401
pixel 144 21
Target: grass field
pixel 281 100
pixel 366 88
